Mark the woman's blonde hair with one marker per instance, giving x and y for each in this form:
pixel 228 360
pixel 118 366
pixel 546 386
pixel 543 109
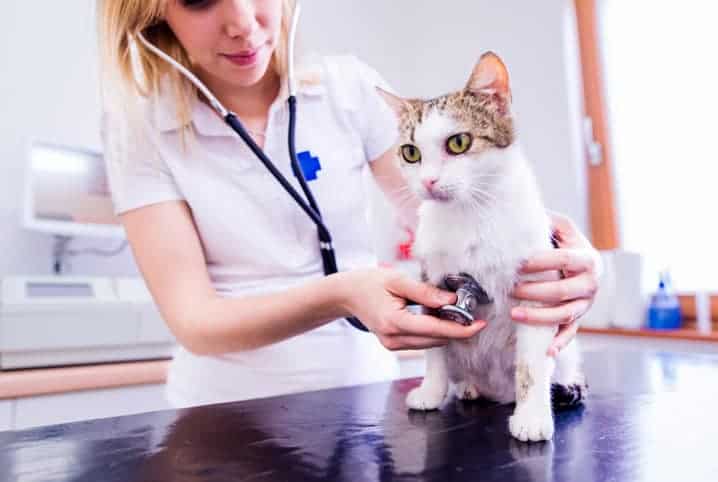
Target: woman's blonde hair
pixel 134 69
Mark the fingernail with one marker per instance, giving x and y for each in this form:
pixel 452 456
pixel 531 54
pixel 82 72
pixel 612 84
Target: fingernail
pixel 518 314
pixel 445 298
pixel 552 352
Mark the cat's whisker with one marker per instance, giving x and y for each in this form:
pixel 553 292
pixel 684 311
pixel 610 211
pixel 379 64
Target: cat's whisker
pixel 482 195
pixel 480 202
pixel 486 187
pixel 483 188
pixel 477 202
pixel 483 177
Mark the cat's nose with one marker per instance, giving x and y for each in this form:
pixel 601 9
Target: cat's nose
pixel 429 183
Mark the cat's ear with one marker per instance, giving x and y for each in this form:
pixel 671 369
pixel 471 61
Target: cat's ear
pixel 398 105
pixel 490 76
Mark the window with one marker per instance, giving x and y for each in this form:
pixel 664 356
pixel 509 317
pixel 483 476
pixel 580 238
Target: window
pixel 656 64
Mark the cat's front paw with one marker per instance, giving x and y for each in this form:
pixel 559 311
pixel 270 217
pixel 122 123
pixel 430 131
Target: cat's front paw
pixel 425 398
pixel 530 425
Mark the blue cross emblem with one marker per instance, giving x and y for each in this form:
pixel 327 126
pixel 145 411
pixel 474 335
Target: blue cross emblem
pixel 310 165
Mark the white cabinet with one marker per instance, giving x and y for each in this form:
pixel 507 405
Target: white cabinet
pixel 85 405
pixel 6 415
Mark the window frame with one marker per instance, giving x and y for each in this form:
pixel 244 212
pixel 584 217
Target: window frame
pixel 602 208
pixel 601 190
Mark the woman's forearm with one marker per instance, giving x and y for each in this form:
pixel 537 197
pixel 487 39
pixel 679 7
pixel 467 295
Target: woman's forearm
pixel 225 325
pixel 392 183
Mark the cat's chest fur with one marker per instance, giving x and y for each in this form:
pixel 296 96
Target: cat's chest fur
pixel 491 248
pixel 452 242
pixel 490 245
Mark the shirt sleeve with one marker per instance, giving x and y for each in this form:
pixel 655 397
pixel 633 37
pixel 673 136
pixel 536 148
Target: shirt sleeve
pixel 136 172
pixel 378 122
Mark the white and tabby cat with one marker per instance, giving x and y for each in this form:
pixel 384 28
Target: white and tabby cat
pixel 482 214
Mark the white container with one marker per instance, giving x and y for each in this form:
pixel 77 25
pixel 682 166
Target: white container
pixel 620 301
pixel 602 312
pixel 630 300
pixel 703 312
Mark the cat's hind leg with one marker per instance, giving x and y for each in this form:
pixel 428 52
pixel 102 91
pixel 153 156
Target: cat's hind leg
pixel 569 388
pixel 432 391
pixel 466 390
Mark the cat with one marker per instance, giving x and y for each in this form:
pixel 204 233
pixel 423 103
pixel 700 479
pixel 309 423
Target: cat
pixel 482 214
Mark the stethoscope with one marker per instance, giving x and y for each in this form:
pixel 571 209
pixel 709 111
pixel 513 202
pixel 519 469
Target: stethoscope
pixel 310 208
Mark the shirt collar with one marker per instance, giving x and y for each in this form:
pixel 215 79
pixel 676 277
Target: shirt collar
pixel 204 118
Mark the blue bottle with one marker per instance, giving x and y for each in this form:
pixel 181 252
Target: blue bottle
pixel 664 312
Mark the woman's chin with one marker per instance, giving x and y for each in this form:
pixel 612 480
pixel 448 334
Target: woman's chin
pixel 247 79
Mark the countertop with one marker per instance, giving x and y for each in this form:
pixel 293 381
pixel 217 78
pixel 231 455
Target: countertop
pixel 649 417
pixel 47 381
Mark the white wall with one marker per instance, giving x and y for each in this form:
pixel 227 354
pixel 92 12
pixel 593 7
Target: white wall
pixel 48 86
pixel 426 48
pixel 48 91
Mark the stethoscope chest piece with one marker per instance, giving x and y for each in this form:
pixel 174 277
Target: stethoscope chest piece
pixel 470 295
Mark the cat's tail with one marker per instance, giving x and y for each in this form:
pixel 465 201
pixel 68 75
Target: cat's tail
pixel 565 397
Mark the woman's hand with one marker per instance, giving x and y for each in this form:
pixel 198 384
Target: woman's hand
pixel 569 298
pixel 378 297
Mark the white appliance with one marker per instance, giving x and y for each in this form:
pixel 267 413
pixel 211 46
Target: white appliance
pixel 57 321
pixel 67 193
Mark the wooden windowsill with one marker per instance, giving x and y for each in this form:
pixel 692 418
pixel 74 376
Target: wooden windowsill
pixel 688 332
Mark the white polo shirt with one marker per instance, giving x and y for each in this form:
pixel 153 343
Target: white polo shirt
pixel 255 238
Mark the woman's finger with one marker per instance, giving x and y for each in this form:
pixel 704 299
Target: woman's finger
pixel 396 343
pixel 564 227
pixel 575 287
pixel 421 293
pixel 429 326
pixel 562 314
pixel 565 335
pixel 565 260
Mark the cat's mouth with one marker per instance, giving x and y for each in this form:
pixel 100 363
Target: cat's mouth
pixel 439 196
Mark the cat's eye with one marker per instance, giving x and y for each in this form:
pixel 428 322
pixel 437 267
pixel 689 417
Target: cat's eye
pixel 459 143
pixel 410 153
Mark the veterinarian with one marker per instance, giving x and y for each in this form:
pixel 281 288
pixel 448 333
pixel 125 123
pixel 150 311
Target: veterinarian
pixel 232 262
